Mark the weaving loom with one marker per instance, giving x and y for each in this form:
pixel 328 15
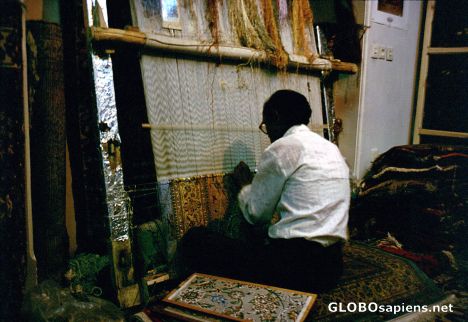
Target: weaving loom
pixel 203 115
pixel 203 110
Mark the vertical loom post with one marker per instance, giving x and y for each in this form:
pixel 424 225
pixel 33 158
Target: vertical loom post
pixel 31 262
pixel 118 202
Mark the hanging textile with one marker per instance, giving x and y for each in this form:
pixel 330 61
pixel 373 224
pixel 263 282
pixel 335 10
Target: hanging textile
pixel 12 193
pixel 48 139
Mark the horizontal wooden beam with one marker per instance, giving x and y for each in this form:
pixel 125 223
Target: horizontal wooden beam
pixel 208 127
pixel 114 37
pixel 344 67
pixel 461 135
pixel 447 50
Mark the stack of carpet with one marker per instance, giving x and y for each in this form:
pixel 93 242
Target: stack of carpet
pixel 417 197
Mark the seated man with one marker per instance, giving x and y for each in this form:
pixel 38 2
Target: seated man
pixel 305 181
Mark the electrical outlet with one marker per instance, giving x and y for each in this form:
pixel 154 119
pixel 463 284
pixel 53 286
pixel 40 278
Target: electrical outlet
pixel 375 50
pixel 389 54
pixel 382 52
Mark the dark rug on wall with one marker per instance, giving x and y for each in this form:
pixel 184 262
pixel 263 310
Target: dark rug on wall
pixel 48 141
pixel 12 190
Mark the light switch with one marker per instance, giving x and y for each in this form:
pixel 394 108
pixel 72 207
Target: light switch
pixel 375 50
pixel 389 54
pixel 382 52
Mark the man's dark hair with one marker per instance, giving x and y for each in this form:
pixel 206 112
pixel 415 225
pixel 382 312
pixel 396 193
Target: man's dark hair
pixel 290 107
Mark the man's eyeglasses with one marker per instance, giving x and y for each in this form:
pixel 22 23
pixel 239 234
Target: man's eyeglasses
pixel 262 127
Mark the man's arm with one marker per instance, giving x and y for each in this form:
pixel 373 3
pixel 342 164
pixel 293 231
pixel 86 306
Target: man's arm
pixel 258 200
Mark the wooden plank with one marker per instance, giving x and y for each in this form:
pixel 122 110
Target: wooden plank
pixel 208 127
pixel 418 122
pixel 461 135
pixel 447 50
pixel 344 67
pixel 111 37
pixel 128 294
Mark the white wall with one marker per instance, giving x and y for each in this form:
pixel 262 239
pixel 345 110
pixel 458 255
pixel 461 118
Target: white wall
pixel 387 87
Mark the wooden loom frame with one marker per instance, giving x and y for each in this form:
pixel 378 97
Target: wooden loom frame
pixel 108 39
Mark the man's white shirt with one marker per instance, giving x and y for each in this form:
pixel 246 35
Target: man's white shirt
pixel 305 180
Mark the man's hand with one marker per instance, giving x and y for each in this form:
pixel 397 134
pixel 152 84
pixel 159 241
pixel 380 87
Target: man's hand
pixel 242 175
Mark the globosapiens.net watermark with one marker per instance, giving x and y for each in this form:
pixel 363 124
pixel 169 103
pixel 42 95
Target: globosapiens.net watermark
pixel 373 307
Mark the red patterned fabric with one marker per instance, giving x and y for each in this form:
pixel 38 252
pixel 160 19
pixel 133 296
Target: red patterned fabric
pixel 428 263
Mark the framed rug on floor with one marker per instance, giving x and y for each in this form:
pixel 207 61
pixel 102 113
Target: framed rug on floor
pixel 236 300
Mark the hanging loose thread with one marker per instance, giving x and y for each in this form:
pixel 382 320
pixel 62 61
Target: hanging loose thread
pixel 301 18
pixel 212 16
pixel 278 56
pixel 243 27
pixel 283 11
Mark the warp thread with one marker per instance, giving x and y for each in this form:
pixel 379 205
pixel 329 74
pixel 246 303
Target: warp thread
pixel 212 16
pixel 282 11
pixel 254 17
pixel 190 10
pixel 278 57
pixel 243 27
pixel 188 5
pixel 301 17
pixel 263 34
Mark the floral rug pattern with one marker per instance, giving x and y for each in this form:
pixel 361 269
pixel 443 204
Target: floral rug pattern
pixel 372 275
pixel 241 301
pixel 197 201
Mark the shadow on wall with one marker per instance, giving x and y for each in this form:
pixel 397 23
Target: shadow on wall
pixel 236 152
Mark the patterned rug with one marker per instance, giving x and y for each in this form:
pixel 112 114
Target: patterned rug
pixel 240 301
pixel 374 276
pixel 208 200
pixel 197 201
pixel 370 276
